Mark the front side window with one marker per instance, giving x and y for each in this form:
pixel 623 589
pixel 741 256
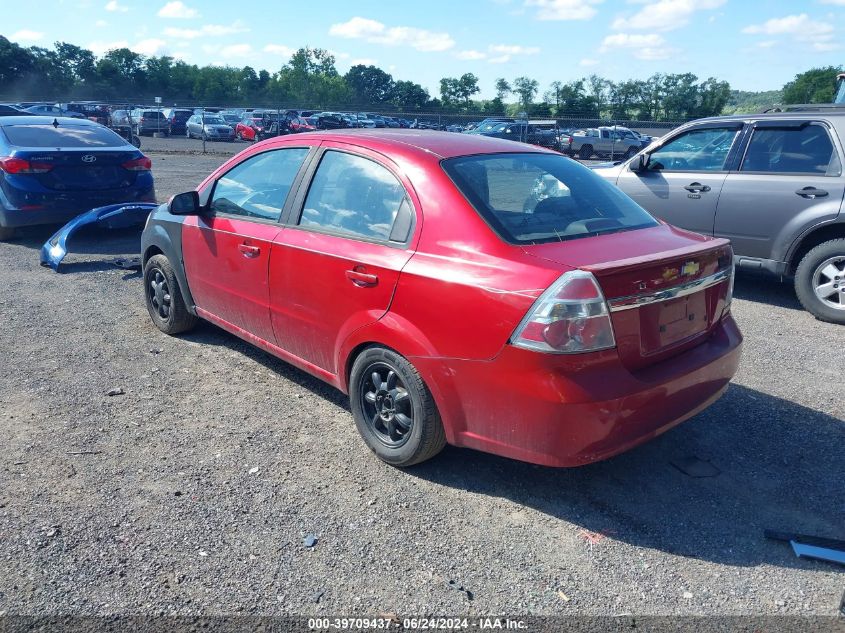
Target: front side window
pixel 259 186
pixel 704 149
pixel 804 150
pixel 358 197
pixel 532 198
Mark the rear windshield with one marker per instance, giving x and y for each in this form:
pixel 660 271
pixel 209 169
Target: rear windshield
pixel 152 114
pixel 62 136
pixel 534 198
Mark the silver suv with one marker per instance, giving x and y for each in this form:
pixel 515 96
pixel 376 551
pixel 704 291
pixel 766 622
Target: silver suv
pixel 771 183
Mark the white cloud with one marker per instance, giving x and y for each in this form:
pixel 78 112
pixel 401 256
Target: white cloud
pixel 648 47
pixel 502 53
pixel 177 9
pixel 101 23
pixel 99 48
pixel 664 15
pixel 840 3
pixel 378 33
pixel 766 43
pixel 507 49
pixel 115 7
pixel 564 9
pixel 588 62
pixel 470 55
pixel 151 46
pixel 801 28
pixel 26 35
pixel 211 30
pixel 236 51
pixel 279 49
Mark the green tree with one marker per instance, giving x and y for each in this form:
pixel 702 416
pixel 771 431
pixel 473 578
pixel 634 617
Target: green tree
pixel 527 89
pixel 503 89
pixel 369 85
pixel 409 96
pixel 816 85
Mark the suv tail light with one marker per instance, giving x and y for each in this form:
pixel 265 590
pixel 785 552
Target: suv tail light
pixel 138 164
pixel 570 317
pixel 22 166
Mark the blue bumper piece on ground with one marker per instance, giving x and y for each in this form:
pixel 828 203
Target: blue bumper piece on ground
pixel 114 216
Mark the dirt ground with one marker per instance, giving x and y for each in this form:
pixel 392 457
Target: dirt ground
pixel 192 492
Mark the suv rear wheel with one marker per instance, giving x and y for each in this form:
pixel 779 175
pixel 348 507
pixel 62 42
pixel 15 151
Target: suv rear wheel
pixel 820 281
pixel 393 409
pixel 585 152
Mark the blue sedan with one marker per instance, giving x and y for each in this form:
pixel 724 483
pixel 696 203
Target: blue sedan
pixel 52 169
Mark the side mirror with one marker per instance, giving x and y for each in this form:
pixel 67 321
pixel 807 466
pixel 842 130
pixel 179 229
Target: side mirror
pixel 639 164
pixel 187 203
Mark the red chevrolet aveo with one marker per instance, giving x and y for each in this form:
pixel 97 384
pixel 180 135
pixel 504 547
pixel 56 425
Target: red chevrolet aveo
pixel 460 289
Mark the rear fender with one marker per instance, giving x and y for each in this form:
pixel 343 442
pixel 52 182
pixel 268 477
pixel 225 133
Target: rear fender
pixel 113 216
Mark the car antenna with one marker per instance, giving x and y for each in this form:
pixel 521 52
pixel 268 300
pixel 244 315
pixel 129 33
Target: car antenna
pixel 55 122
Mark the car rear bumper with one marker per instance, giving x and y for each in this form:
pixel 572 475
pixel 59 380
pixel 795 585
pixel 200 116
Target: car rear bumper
pixel 558 410
pixel 54 208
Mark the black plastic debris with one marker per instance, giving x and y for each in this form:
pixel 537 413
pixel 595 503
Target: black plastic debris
pixel 459 587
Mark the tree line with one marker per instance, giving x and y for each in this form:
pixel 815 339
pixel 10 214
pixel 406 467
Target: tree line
pixel 310 79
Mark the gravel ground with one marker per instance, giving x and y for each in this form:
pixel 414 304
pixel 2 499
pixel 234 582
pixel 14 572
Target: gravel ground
pixel 192 491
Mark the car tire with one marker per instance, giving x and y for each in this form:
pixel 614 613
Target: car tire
pixel 630 153
pixel 810 275
pixel 7 233
pixel 393 409
pixel 136 141
pixel 164 297
pixel 585 152
pixel 188 133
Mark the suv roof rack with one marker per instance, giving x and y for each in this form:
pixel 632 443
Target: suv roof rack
pixel 806 107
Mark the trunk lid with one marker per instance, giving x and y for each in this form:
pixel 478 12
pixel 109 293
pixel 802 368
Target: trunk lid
pixel 666 287
pixel 83 169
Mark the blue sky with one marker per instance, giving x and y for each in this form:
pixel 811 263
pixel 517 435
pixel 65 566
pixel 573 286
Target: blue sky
pixel 753 45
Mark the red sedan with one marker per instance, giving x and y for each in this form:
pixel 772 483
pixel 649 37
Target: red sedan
pixel 460 289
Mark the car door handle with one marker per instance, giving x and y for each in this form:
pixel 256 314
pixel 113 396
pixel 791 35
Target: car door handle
pixel 361 279
pixel 811 192
pixel 249 251
pixel 697 187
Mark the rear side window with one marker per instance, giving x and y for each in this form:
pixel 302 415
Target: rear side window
pixel 62 136
pixel 358 197
pixel 259 186
pixel 704 149
pixel 804 150
pixel 534 198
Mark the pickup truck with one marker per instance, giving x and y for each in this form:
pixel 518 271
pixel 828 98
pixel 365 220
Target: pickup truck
pixel 602 142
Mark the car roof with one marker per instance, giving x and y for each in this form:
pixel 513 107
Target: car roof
pixel 6 121
pixel 425 142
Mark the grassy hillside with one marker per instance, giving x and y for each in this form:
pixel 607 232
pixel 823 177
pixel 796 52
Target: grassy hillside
pixel 742 101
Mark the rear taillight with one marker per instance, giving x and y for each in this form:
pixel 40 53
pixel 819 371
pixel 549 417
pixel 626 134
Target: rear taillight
pixel 726 260
pixel 23 166
pixel 138 164
pixel 570 317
